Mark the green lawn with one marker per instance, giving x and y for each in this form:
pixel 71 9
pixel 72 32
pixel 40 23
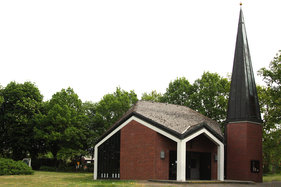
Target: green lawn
pixel 44 178
pixel 272 177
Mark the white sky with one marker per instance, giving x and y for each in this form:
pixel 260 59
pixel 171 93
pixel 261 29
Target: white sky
pixel 95 46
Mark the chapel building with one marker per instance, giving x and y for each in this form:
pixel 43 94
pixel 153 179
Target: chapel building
pixel 170 142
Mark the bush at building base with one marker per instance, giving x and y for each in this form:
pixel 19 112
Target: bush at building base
pixel 11 167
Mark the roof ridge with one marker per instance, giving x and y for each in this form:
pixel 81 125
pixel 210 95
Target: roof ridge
pixel 194 111
pixel 174 119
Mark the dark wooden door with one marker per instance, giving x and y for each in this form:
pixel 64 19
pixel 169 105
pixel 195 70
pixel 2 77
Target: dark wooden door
pixel 173 165
pixel 205 166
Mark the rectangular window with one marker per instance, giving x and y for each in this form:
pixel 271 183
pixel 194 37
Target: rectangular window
pixel 255 166
pixel 109 158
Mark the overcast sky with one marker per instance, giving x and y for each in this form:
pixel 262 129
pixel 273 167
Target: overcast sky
pixel 95 46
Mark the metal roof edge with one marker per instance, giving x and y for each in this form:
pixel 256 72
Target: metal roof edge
pixel 201 126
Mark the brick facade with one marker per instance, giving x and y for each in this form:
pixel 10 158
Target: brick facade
pixel 244 143
pixel 162 165
pixel 140 153
pixel 140 149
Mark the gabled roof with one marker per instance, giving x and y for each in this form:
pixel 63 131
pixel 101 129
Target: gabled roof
pixel 179 121
pixel 243 102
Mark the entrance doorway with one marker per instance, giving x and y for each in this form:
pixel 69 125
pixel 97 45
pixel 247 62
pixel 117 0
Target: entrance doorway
pixel 205 166
pixel 173 165
pixel 198 166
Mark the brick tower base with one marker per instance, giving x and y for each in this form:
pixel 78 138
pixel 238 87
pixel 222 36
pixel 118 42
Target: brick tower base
pixel 244 151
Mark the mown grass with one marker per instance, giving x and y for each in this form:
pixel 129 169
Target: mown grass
pixel 44 178
pixel 272 177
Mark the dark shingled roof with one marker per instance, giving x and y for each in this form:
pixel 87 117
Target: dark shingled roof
pixel 243 102
pixel 179 121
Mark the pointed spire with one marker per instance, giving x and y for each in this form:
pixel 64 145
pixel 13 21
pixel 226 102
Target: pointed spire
pixel 243 102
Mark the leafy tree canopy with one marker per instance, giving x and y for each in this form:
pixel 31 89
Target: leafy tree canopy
pixel 62 126
pixel 270 102
pixel 20 103
pixel 152 96
pixel 272 78
pixel 210 96
pixel 207 95
pixel 178 92
pixel 112 107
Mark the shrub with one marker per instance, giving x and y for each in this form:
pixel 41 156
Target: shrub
pixel 11 167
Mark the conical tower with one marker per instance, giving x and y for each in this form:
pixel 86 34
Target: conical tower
pixel 244 127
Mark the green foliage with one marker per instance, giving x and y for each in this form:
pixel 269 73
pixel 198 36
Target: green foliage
pixel 1 96
pixel 210 96
pixel 11 167
pixel 110 109
pixel 270 102
pixel 152 96
pixel 62 126
pixel 20 104
pixel 179 92
pixel 89 109
pixel 69 153
pixel 272 78
pixel 207 95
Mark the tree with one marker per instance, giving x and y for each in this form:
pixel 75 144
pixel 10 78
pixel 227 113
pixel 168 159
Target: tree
pixel 210 96
pixel 152 96
pixel 1 96
pixel 271 109
pixel 62 127
pixel 272 78
pixel 92 126
pixel 179 92
pixel 207 95
pixel 271 131
pixel 111 108
pixel 20 103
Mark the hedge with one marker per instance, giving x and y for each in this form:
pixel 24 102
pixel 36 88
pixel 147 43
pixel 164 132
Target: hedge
pixel 11 167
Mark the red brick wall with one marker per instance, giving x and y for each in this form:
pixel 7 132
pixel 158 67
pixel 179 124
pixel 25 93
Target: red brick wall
pixel 244 143
pixel 137 152
pixel 140 149
pixel 163 144
pixel 255 147
pixel 204 144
